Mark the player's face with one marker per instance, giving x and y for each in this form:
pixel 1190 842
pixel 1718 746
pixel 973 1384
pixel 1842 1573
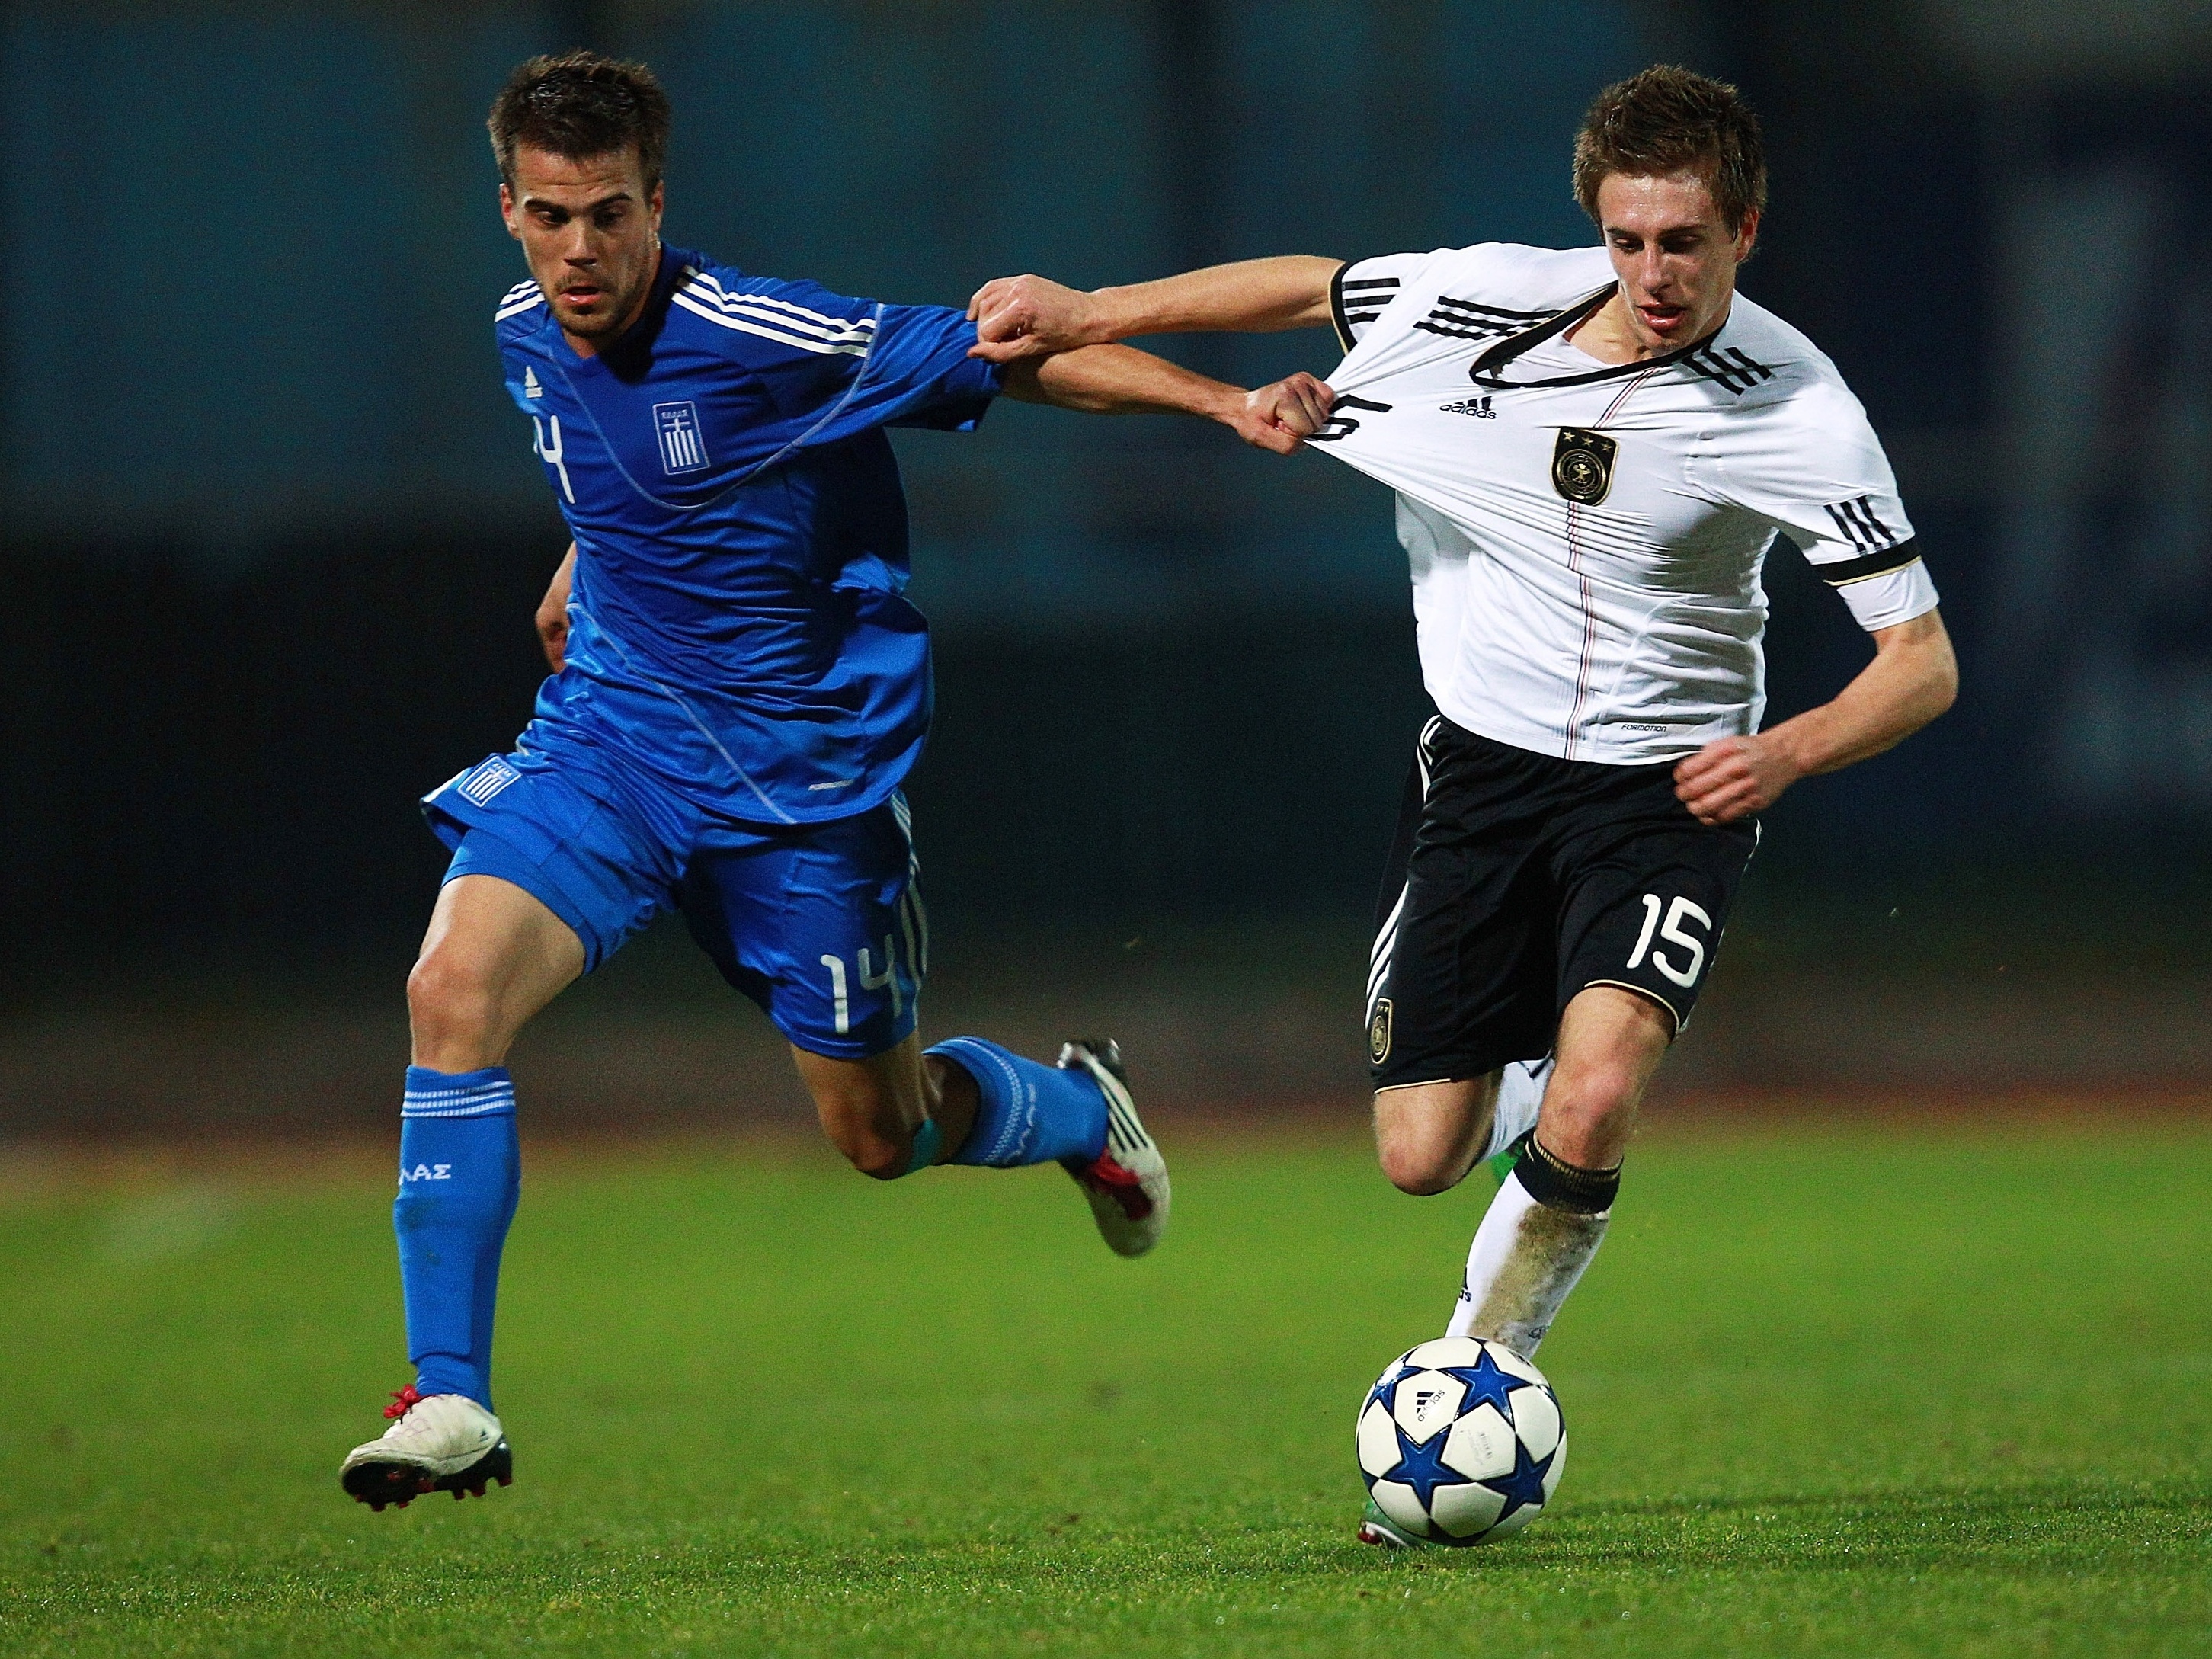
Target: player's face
pixel 1675 257
pixel 591 231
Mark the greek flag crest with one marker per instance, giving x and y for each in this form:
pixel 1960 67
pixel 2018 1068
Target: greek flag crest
pixel 681 447
pixel 480 783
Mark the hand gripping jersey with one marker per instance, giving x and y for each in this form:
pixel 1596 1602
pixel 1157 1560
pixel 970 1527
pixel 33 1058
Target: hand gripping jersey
pixel 1586 539
pixel 738 623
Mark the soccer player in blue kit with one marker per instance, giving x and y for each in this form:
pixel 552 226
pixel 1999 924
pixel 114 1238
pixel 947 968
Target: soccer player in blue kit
pixel 739 688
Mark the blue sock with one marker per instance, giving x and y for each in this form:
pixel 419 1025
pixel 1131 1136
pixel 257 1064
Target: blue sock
pixel 928 1142
pixel 1028 1112
pixel 460 1173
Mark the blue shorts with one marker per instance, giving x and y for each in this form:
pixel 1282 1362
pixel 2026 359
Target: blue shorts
pixel 821 924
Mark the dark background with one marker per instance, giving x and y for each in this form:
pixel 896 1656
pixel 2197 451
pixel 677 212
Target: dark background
pixel 272 535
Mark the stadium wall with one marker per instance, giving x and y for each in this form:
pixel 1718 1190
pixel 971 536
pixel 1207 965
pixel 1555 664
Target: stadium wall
pixel 270 538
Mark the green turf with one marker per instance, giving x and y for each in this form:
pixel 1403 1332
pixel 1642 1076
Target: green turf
pixel 1863 1393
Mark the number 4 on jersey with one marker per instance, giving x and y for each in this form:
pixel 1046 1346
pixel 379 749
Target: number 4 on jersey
pixel 1671 930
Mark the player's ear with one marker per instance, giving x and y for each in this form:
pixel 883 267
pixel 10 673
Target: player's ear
pixel 506 209
pixel 658 200
pixel 1746 234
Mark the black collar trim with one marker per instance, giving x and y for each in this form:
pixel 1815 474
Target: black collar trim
pixel 1485 371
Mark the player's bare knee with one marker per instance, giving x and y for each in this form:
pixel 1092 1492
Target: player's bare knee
pixel 875 1153
pixel 1588 1125
pixel 1591 1107
pixel 884 1160
pixel 1416 1166
pixel 450 1001
pixel 869 1136
pixel 1426 1138
pixel 1595 1097
pixel 1421 1181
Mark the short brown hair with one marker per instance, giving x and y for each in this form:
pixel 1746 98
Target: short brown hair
pixel 1669 120
pixel 579 105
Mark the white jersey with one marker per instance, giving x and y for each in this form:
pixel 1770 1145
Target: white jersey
pixel 1586 539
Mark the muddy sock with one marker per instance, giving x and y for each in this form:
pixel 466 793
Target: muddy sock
pixel 1536 1238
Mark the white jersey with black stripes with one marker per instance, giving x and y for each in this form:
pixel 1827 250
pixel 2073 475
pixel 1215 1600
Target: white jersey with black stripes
pixel 1586 539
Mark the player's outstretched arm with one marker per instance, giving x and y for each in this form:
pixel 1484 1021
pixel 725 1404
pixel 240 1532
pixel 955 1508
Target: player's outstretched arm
pixel 1118 380
pixel 553 612
pixel 1913 677
pixel 1023 317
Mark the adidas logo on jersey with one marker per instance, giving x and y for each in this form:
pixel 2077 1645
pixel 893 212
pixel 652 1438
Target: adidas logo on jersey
pixel 530 386
pixel 1478 407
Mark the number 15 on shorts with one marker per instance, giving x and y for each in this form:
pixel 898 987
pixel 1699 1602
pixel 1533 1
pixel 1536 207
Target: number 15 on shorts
pixel 1662 925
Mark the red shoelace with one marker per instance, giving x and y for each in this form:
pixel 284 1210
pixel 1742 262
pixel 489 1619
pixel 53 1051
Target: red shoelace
pixel 402 1400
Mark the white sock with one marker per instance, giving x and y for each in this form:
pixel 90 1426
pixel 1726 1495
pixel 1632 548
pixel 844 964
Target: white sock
pixel 1525 1258
pixel 1520 1092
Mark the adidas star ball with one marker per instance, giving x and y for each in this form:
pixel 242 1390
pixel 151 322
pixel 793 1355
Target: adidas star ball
pixel 1461 1441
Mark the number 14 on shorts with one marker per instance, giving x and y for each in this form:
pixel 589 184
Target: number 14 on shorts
pixel 1670 930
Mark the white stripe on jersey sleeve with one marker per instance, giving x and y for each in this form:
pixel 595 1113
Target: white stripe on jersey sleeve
pixel 768 310
pixel 1458 296
pixel 745 323
pixel 796 316
pixel 1359 291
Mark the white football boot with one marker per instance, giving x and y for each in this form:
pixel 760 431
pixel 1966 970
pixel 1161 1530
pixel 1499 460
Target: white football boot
pixel 1127 1184
pixel 441 1442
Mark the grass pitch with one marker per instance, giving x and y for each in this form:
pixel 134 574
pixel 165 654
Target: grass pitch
pixel 1856 1392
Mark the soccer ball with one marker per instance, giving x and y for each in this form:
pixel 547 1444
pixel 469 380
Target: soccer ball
pixel 1461 1441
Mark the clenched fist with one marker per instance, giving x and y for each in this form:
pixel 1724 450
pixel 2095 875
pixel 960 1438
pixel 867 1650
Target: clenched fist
pixel 1018 317
pixel 1733 778
pixel 1282 416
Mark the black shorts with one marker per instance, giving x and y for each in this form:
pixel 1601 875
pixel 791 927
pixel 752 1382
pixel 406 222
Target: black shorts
pixel 1517 880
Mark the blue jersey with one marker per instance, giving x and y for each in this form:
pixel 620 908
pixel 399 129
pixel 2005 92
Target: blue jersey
pixel 737 625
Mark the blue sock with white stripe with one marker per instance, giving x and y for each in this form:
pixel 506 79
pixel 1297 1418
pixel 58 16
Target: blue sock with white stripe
pixel 1028 1112
pixel 460 1174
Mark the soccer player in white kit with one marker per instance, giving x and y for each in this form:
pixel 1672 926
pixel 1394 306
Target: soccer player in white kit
pixel 1593 450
